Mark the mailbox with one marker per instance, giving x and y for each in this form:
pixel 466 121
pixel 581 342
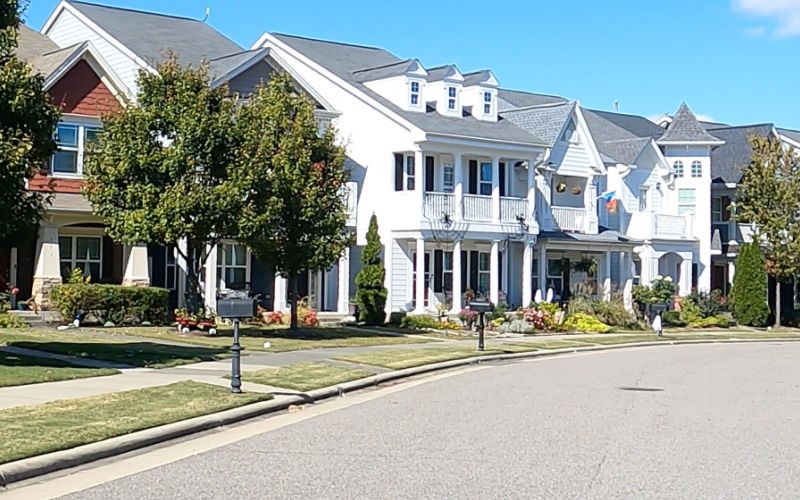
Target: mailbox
pixel 235 307
pixel 480 306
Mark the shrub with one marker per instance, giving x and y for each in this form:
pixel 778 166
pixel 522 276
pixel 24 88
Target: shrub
pixel 115 303
pixel 498 311
pixel 421 322
pixel 709 304
pixel 8 320
pixel 541 319
pixel 586 324
pixel 496 322
pixel 673 318
pixel 611 312
pixel 468 317
pixel 516 326
pixel 660 290
pixel 370 292
pixel 749 293
pixel 719 321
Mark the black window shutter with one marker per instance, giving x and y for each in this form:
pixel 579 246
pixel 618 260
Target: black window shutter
pixel 500 269
pixel 429 176
pixel 398 172
pixel 473 270
pixel 502 179
pixel 473 177
pixel 464 285
pixel 725 205
pixel 437 271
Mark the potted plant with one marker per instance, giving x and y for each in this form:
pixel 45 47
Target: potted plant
pixel 468 318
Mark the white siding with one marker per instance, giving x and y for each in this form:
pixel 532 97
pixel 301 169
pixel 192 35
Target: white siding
pixel 573 159
pixel 68 30
pixel 399 281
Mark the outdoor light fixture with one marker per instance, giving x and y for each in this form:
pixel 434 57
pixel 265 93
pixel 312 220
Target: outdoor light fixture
pixel 561 187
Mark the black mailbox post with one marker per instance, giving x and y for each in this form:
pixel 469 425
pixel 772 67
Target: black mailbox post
pixel 481 307
pixel 235 306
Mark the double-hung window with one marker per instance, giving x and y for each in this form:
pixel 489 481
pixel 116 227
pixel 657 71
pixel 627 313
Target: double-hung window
pixel 534 277
pixel 447 271
pixel 232 266
pixel 643 199
pixel 697 169
pixel 678 168
pixel 483 272
pixel 487 103
pixel 555 278
pixel 414 93
pixel 410 173
pixel 451 98
pixel 485 181
pixel 170 268
pixel 686 201
pixel 448 177
pixel 84 252
pixel 71 140
pixel 716 209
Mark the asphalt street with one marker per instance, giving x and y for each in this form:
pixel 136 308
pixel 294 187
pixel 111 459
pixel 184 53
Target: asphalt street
pixel 701 421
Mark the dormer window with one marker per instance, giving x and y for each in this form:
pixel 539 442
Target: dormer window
pixel 487 103
pixel 414 93
pixel 569 132
pixel 451 98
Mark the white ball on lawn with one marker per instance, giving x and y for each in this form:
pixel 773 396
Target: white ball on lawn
pixel 76 323
pixel 267 345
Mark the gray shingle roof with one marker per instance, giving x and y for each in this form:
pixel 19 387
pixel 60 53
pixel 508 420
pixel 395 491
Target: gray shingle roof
pixel 476 77
pixel 41 53
pixel 620 138
pixel 510 99
pixel 384 71
pixel 545 122
pixel 630 125
pixel 791 134
pixel 344 59
pixel 729 159
pixel 626 151
pixel 607 236
pixel 686 128
pixel 148 35
pixel 438 73
pixel 221 66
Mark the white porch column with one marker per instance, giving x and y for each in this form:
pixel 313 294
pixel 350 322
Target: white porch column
pixel 527 273
pixel 210 288
pixel 47 272
pixel 607 277
pixel 280 294
pixel 531 192
pixel 494 268
pixel 419 179
pixel 343 284
pixel 458 187
pixel 136 271
pixel 180 276
pixel 419 306
pixel 731 271
pixel 456 307
pixel 543 270
pixel 686 276
pixel 496 188
pixel 626 279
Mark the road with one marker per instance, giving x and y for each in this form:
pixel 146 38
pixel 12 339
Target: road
pixel 669 422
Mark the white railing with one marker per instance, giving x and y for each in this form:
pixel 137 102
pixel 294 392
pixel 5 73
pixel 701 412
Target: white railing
pixel 350 194
pixel 477 207
pixel 437 205
pixel 511 209
pixel 569 218
pixel 670 226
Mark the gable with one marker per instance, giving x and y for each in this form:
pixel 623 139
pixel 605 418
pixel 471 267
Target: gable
pixel 81 91
pixel 572 159
pixel 245 82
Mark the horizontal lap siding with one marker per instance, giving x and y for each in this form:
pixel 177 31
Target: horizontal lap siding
pixel 400 273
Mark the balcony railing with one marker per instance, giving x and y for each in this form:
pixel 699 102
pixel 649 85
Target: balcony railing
pixel 569 218
pixel 437 205
pixel 666 226
pixel 512 209
pixel 350 194
pixel 477 207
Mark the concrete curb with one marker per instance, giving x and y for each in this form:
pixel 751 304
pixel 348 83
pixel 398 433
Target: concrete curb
pixel 44 464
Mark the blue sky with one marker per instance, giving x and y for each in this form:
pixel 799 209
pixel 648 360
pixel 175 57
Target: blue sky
pixel 732 60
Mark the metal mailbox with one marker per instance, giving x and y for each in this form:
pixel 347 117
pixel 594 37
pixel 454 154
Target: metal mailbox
pixel 236 308
pixel 480 306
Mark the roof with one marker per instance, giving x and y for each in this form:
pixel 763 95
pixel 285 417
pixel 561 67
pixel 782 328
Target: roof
pixel 510 99
pixel 620 138
pixel 223 66
pixel 41 53
pixel 441 72
pixel 626 151
pixel 791 134
pixel 149 35
pixel 729 159
pixel 545 122
pixel 384 71
pixel 685 128
pixel 343 60
pixel 477 77
pixel 633 125
pixel 605 236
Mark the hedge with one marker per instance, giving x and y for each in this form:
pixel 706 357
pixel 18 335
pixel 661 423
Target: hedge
pixel 116 303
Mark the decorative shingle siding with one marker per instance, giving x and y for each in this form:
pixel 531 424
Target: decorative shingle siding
pixel 82 92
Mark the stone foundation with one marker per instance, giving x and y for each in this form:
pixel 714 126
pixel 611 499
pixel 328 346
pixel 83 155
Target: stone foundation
pixel 41 292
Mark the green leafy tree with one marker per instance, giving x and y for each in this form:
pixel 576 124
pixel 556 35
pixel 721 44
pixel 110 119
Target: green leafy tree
pixel 370 293
pixel 27 121
pixel 768 198
pixel 160 170
pixel 295 214
pixel 748 297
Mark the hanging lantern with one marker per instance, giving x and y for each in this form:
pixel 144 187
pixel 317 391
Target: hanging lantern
pixel 561 187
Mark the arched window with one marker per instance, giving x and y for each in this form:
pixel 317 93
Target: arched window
pixel 697 169
pixel 678 168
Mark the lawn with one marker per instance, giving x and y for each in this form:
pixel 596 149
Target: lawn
pixel 253 338
pixel 16 369
pixel 26 431
pixel 397 359
pixel 144 354
pixel 305 376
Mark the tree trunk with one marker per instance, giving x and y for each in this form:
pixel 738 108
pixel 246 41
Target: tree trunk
pixel 777 303
pixel 293 301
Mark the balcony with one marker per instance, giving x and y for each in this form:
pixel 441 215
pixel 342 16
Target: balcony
pixel 569 218
pixel 513 209
pixel 438 205
pixel 649 225
pixel 477 207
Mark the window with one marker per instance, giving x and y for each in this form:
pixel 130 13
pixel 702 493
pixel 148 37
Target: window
pixel 569 132
pixel 716 209
pixel 678 168
pixel 451 98
pixel 71 140
pixel 637 271
pixel 483 272
pixel 232 266
pixel 686 200
pixel 170 268
pixel 697 169
pixel 555 279
pixel 447 271
pixel 448 177
pixel 642 199
pixel 414 93
pixel 485 184
pixel 82 252
pixel 410 171
pixel 534 277
pixel 487 103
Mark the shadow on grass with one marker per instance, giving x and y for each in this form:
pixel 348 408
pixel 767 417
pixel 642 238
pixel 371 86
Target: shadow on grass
pixel 140 354
pixel 321 333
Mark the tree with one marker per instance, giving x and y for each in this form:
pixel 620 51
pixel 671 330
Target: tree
pixel 371 294
pixel 160 170
pixel 295 215
pixel 27 122
pixel 767 197
pixel 748 297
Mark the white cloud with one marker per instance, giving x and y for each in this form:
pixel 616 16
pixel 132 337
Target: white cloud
pixel 756 31
pixel 785 13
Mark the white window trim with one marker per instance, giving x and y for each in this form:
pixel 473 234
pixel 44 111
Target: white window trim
pixel 454 98
pixel 693 204
pixel 409 161
pixel 412 93
pixel 559 277
pixel 490 102
pixel 643 201
pixel 448 177
pixel 74 260
pixel 221 266
pixel 682 171
pixel 79 149
pixel 487 272
pixel 699 165
pixel 480 179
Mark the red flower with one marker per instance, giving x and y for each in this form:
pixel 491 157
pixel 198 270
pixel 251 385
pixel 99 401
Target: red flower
pixel 14 291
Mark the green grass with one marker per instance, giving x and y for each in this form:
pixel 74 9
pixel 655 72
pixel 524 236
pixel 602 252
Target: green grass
pixel 305 376
pixel 17 369
pixel 117 350
pixel 27 431
pixel 281 340
pixel 397 359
